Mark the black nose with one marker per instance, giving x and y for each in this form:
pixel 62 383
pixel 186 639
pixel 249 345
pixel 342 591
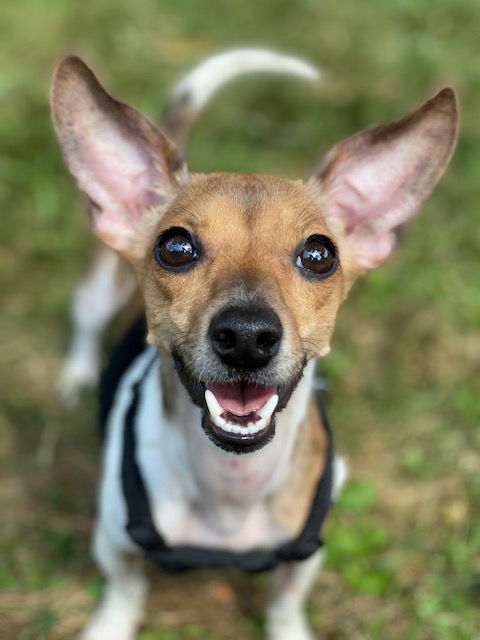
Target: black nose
pixel 246 337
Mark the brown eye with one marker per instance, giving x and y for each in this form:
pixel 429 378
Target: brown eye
pixel 176 250
pixel 317 257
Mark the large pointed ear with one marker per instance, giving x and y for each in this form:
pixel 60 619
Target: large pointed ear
pixel 120 160
pixel 376 180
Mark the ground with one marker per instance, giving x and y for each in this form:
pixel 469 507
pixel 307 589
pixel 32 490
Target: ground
pixel 404 543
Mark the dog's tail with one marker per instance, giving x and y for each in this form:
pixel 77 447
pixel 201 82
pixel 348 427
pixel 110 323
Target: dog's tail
pixel 195 89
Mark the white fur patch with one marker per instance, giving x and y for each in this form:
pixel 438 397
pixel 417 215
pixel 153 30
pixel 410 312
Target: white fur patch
pixel 340 476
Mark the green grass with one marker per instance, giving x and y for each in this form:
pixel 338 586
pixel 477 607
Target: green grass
pixel 405 366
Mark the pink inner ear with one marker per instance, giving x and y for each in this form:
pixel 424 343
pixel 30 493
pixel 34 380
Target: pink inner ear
pixel 114 170
pixel 376 180
pixel 123 174
pixel 373 192
pixel 371 250
pixel 118 178
pixel 373 197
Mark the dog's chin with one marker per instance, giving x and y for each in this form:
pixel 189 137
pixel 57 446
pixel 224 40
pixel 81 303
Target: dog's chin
pixel 238 416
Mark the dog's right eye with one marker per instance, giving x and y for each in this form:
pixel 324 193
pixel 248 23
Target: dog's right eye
pixel 317 257
pixel 176 250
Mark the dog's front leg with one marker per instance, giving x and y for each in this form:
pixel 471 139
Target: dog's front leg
pixel 121 610
pixel 291 584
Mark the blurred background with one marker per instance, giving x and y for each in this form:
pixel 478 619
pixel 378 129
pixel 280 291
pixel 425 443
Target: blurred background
pixel 405 540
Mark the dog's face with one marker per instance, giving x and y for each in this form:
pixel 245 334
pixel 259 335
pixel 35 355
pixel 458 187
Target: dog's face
pixel 243 275
pixel 242 279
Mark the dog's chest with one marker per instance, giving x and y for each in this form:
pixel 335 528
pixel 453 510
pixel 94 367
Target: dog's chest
pixel 230 506
pixel 199 495
pixel 203 496
pixel 226 528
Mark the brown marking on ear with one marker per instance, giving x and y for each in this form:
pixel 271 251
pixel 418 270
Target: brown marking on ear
pixel 444 103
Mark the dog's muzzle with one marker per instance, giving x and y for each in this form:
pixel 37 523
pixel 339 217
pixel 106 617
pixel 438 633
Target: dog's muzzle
pixel 239 407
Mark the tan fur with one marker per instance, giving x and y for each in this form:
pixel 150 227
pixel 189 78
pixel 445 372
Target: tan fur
pixel 231 215
pixel 292 504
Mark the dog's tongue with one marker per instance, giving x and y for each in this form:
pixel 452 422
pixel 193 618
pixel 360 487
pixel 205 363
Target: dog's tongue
pixel 241 398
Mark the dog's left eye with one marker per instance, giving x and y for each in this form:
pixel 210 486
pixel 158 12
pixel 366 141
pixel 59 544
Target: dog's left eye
pixel 176 250
pixel 317 257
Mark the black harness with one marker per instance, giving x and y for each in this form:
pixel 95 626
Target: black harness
pixel 140 526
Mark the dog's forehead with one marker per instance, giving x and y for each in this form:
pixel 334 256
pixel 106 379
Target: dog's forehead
pixel 248 202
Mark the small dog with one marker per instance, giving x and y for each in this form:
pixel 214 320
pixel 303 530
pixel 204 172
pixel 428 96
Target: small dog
pixel 215 451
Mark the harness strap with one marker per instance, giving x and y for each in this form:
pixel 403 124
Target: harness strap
pixel 140 524
pixel 175 559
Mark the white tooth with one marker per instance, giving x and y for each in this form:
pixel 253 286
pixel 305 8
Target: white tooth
pixel 250 425
pixel 244 431
pixel 252 428
pixel 219 421
pixel 269 407
pixel 227 427
pixel 212 404
pixel 261 424
pixel 236 428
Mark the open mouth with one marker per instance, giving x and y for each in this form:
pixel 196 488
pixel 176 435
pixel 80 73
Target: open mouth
pixel 241 413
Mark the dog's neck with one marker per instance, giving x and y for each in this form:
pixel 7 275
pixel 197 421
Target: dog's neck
pixel 228 486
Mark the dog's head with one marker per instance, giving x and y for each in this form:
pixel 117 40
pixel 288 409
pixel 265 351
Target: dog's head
pixel 243 274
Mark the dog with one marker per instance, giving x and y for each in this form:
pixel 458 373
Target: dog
pixel 215 450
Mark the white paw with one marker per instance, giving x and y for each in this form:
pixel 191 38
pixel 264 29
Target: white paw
pixel 292 628
pixel 77 373
pixel 107 628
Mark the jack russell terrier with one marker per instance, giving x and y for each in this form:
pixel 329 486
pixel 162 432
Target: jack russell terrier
pixel 215 450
